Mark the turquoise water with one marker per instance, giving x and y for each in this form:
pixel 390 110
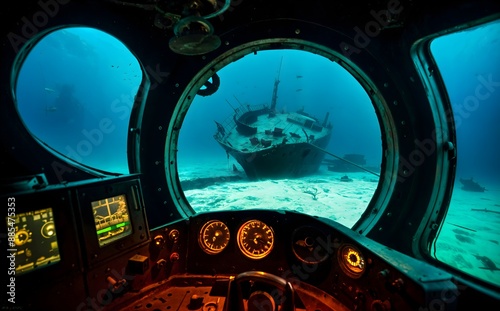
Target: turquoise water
pixel 470 65
pixel 75 91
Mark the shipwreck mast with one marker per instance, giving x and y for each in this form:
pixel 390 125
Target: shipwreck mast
pixel 275 90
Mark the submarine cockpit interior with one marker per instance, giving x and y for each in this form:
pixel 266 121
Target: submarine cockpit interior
pixel 352 164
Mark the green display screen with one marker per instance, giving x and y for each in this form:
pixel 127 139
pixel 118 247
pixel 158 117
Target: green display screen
pixel 112 219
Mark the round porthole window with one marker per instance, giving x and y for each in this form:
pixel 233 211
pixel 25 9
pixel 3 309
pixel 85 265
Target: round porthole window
pixel 286 129
pixel 74 93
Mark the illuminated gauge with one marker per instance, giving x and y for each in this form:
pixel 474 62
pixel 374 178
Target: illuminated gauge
pixel 214 237
pixel 255 239
pixel 21 237
pixel 351 261
pixel 48 230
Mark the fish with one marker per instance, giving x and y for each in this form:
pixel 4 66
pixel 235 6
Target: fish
pixel 48 89
pixel 488 263
pixel 298 77
pixel 51 109
pixel 298 90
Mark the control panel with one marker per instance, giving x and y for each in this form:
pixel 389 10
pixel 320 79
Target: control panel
pixel 88 247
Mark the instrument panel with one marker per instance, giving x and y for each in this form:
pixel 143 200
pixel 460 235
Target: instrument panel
pixel 315 254
pixel 279 245
pixel 255 239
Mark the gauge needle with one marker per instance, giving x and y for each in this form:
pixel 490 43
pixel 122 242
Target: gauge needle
pixel 303 243
pixel 258 239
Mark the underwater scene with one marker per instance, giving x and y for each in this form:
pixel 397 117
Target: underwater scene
pixel 469 63
pixel 296 160
pixel 285 130
pixel 75 91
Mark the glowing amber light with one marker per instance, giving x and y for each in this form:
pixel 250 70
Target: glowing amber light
pixel 255 239
pixel 351 261
pixel 214 237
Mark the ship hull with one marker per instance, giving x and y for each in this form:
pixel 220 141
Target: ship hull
pixel 281 161
pixel 271 144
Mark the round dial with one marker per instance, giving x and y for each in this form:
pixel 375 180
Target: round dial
pixel 48 230
pixel 307 245
pixel 214 237
pixel 352 261
pixel 21 237
pixel 255 239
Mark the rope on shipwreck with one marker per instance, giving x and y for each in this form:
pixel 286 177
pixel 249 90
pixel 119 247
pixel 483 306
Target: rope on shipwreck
pixel 352 163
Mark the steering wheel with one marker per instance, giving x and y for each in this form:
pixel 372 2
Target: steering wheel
pixel 260 300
